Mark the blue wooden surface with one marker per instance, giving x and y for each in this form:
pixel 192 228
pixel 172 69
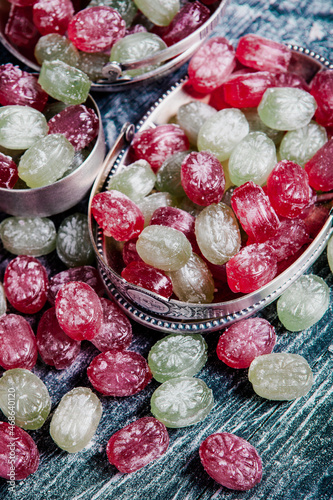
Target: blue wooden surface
pixel 293 438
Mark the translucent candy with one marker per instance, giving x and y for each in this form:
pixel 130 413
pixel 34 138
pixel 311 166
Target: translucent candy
pixel 126 8
pixel 21 126
pixel 190 17
pixel 87 274
pixel 34 236
pixel 322 91
pixel 280 376
pixel 92 64
pixel 222 132
pixel 300 145
pixel 19 348
pixel 191 116
pixel 19 28
pixel 155 280
pixel 8 172
pixel 245 90
pixel 291 235
pixel 31 401
pixel 217 233
pixel 262 54
pixel 231 461
pixel 129 252
pixel 286 108
pixel 26 452
pixel 73 243
pixel 136 180
pixel 245 340
pixel 137 444
pixel 252 159
pixel 53 47
pixel 304 303
pixel 177 355
pixel 54 346
pixel 320 168
pixel 257 125
pixel 178 219
pixel 160 12
pixel 119 373
pixel 168 177
pixel 21 88
pixel 182 401
pixel 150 203
pixel 75 420
pixel 46 161
pixel 52 16
pixel 164 247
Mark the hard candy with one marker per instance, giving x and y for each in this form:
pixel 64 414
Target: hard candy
pixel 73 243
pixel 33 236
pixel 136 180
pixel 19 348
pixel 148 277
pixel 21 126
pixel 26 452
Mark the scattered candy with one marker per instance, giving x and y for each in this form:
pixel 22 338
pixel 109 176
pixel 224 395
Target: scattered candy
pixel 150 203
pixel 34 236
pixel 189 18
pixel 321 89
pixel 19 348
pixel 73 243
pixel 26 452
pixel 56 46
pixel 87 274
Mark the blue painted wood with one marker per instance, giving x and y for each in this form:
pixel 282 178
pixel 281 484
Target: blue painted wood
pixel 293 438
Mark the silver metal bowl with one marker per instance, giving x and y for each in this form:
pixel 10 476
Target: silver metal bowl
pixel 114 79
pixel 171 315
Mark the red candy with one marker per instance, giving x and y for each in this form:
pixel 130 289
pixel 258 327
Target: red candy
pixel 287 79
pixel 52 16
pixel 190 17
pixel 231 461
pixel 117 215
pixel 119 373
pixel 8 172
pixel 245 340
pixel 177 219
pixel 96 29
pixel 130 252
pixel 20 87
pixel 322 91
pixel 19 456
pixel 25 283
pixel 320 168
pixel 20 29
pixel 79 310
pixel 18 343
pixel 156 144
pixel 203 178
pixel 137 444
pixel 87 274
pixel 148 277
pixel 246 90
pixel 54 346
pixel 262 54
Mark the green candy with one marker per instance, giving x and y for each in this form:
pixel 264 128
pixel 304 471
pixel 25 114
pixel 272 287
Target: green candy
pixel 34 236
pixel 21 126
pixel 300 145
pixel 92 64
pixel 177 355
pixel 136 180
pixel 191 116
pixel 3 301
pixel 73 243
pixel 126 8
pixel 168 177
pixel 182 401
pixel 150 203
pixel 257 125
pixel 53 47
pixel 160 12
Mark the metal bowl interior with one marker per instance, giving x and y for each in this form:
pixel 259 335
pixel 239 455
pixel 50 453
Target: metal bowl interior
pixel 114 80
pixel 171 315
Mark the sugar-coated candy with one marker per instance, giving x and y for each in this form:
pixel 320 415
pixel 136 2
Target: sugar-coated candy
pixel 21 126
pixel 79 310
pixel 19 348
pixel 322 90
pixel 92 64
pixel 136 180
pixel 245 90
pixel 231 461
pixel 252 159
pixel 244 340
pixel 56 47
pixel 19 28
pixel 116 330
pixel 137 444
pixel 25 283
pixel 289 238
pixel 182 401
pixel 21 88
pixel 148 277
pixel 52 16
pixel 75 419
pixel 32 402
pixel 150 203
pixel 189 18
pixel 177 355
pixel 34 236
pixel 73 243
pixel 251 268
pixel 3 301
pixel 54 346
pixel 159 12
pixel 126 8
pixel 26 452
pixel 119 373
pixel 304 303
pixel 178 219
pixel 286 108
pixel 87 274
pixel 280 376
pixel 8 172
pixel 191 116
pixel 301 144
pixel 212 64
pixel 163 247
pixel 217 233
pixel 117 215
pixel 262 54
pixel 222 132
pixel 320 168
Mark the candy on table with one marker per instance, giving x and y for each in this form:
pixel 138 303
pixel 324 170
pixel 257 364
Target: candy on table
pixel 301 144
pixel 3 301
pixel 73 243
pixel 137 444
pixel 257 125
pixel 54 346
pixel 31 402
pixel 168 176
pixel 320 168
pixel 92 64
pixel 136 180
pixel 8 172
pixel 193 282
pixel 231 461
pixel 322 90
pixel 26 452
pixel 252 159
pixel 159 12
pixel 77 123
pixel 150 203
pixel 189 18
pixel 117 214
pixel 182 401
pixel 304 303
pixel 126 8
pixel 163 247
pixel 21 88
pixel 34 236
pixel 79 310
pixel 280 376
pixel 116 330
pixel 222 132
pixel 148 277
pixel 25 283
pixel 46 161
pixel 245 340
pixel 177 355
pixel 52 16
pixel 19 28
pixel 75 420
pixel 19 348
pixel 54 46
pixel 217 233
pixel 21 126
pixel 119 373
pixel 191 116
pixel 245 90
pixel 262 54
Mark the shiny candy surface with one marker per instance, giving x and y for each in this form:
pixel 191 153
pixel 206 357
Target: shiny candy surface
pixel 191 117
pixel 168 177
pixel 54 46
pixel 87 274
pixel 190 17
pixel 300 145
pixel 21 88
pixel 73 244
pixel 262 54
pixel 136 180
pixel 245 90
pixel 34 236
pixel 319 168
pixel 19 348
pixel 160 12
pixel 26 452
pixel 322 91
pixel 52 16
pixel 148 277
pixel 8 172
pixel 21 126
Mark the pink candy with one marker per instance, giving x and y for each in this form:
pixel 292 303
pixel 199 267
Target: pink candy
pixel 18 343
pixel 190 17
pixel 52 16
pixel 320 168
pixel 8 172
pixel 87 274
pixel 262 54
pixel 246 90
pixel 148 277
pixel 322 91
pixel 24 450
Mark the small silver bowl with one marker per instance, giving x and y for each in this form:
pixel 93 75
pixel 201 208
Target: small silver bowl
pixel 114 79
pixel 169 315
